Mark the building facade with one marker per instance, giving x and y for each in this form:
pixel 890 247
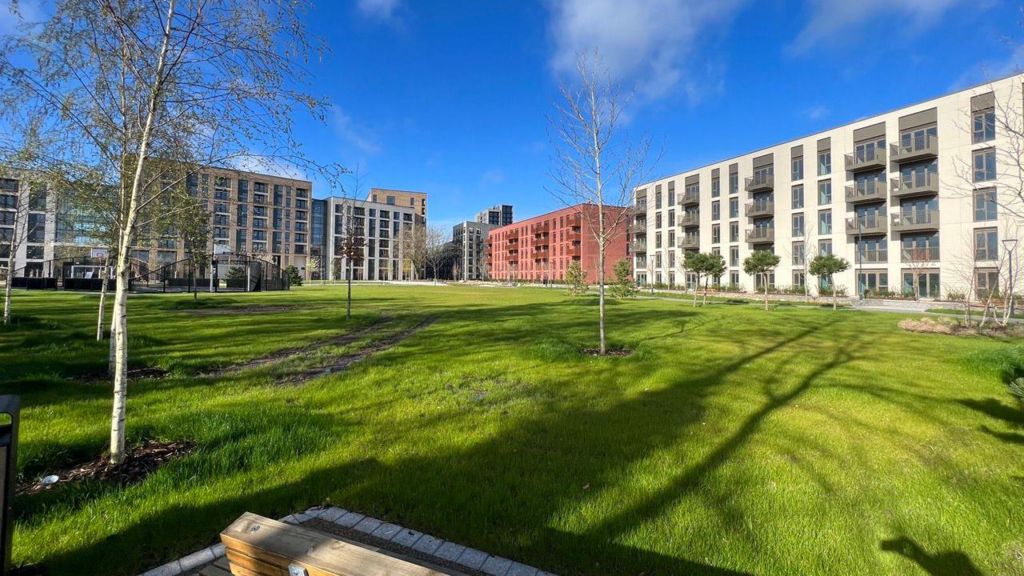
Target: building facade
pixel 470 243
pixel 915 199
pixel 497 215
pixel 383 233
pixel 541 248
pixel 258 214
pixel 403 198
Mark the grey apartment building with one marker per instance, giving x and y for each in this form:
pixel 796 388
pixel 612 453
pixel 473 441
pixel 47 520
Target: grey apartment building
pixel 497 215
pixel 470 239
pixel 385 232
pixel 258 214
pixel 919 200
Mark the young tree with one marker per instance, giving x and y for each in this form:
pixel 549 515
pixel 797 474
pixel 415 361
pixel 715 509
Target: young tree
pixel 293 276
pixel 576 278
pixel 827 266
pixel 624 286
pixel 193 225
pixel 714 267
pixel 761 264
pixel 351 245
pixel 414 246
pixel 695 263
pixel 435 239
pixel 594 165
pixel 189 83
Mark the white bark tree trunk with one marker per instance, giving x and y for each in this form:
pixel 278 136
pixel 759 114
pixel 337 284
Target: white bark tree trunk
pixel 103 297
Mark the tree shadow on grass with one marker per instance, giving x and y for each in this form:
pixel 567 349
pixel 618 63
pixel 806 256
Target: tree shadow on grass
pixel 948 563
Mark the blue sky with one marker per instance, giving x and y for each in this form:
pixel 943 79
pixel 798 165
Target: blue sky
pixel 452 98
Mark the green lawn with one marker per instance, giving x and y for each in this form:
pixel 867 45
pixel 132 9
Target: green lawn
pixel 799 441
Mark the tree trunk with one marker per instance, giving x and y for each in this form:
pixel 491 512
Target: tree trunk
pixel 695 285
pixel 705 300
pixel 835 297
pixel 103 297
pixel 348 300
pixel 10 280
pixel 765 277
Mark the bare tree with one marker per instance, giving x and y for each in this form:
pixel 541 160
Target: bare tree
pixel 351 244
pixel 593 164
pixel 414 247
pixel 434 241
pixel 187 82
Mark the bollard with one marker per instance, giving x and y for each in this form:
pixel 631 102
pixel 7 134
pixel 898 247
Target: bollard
pixel 10 407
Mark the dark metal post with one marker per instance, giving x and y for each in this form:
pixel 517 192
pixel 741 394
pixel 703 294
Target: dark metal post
pixel 10 406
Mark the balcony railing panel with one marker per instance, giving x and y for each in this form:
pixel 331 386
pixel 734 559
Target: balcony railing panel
pixel 864 161
pixel 757 209
pixel 761 234
pixel 760 183
pixel 689 198
pixel 872 191
pixel 689 219
pixel 689 242
pixel 913 220
pixel 929 254
pixel 919 184
pixel 916 149
pixel 874 223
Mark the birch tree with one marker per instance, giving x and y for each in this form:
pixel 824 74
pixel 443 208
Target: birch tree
pixel 143 86
pixel 594 165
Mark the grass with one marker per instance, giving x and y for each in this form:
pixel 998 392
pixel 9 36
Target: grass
pixel 794 441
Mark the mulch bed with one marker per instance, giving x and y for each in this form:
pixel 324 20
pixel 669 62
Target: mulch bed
pixel 139 462
pixel 953 327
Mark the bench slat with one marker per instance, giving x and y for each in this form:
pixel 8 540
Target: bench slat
pixel 260 546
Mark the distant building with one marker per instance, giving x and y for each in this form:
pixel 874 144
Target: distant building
pixel 498 215
pixel 470 240
pixel 541 248
pixel 385 231
pixel 403 198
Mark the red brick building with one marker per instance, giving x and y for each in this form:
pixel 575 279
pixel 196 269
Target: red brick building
pixel 542 247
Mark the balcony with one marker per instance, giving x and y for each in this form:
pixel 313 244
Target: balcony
pixel 690 242
pixel 689 219
pixel 873 191
pixel 877 256
pixel 917 149
pixel 689 198
pixel 760 183
pixel 640 263
pixel 761 234
pixel 637 247
pixel 915 220
pixel 574 236
pixel 758 209
pixel 866 224
pixel 641 206
pixel 863 160
pixel 921 254
pixel 541 254
pixel 919 184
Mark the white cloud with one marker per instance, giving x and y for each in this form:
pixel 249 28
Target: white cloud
pixel 831 19
pixel 644 42
pixel 378 9
pixel 267 165
pixel 1012 63
pixel 352 134
pixel 818 112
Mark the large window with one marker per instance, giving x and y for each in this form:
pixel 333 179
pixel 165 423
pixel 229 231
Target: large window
pixel 716 210
pixel 734 231
pixel 824 247
pixel 798 254
pixel 867 151
pixel 798 225
pixel 986 244
pixel 984 125
pixel 985 165
pixel 798 168
pixel 734 183
pixel 920 247
pixel 734 207
pixel 716 187
pixel 716 233
pixel 985 205
pixel 917 138
pixel 824 192
pixel 825 222
pixel 825 163
pixel 734 256
pixel 872 282
pixel 986 281
pixel 798 197
pixel 872 250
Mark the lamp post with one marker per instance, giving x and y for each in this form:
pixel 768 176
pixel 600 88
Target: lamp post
pixel 1010 245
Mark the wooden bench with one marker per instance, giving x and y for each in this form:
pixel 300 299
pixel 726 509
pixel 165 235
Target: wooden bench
pixel 258 546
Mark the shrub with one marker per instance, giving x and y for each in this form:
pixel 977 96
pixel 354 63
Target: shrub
pixel 293 276
pixel 623 286
pixel 236 273
pixel 576 279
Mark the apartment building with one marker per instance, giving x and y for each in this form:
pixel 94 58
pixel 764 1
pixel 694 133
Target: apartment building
pixel 915 199
pixel 541 248
pixel 250 213
pixel 497 215
pixel 403 198
pixel 384 232
pixel 470 241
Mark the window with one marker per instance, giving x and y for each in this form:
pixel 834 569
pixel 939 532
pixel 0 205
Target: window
pixel 799 279
pixel 734 231
pixel 671 238
pixel 873 282
pixel 716 187
pixel 825 163
pixel 716 210
pixel 985 165
pixel 872 251
pixel 825 222
pixel 984 125
pixel 798 168
pixel 917 139
pixel 798 225
pixel 798 254
pixel 734 256
pixel 734 278
pixel 824 247
pixel 671 193
pixel 657 196
pixel 867 151
pixel 985 205
pixel 734 182
pixel 716 233
pixel 734 207
pixel 824 192
pixel 671 218
pixel 657 220
pixel 920 247
pixel 987 282
pixel 798 196
pixel 986 244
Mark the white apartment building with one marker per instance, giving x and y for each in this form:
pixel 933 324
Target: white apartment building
pixel 385 234
pixel 470 238
pixel 919 200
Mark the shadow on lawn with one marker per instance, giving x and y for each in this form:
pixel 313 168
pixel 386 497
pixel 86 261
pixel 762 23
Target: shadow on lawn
pixel 949 563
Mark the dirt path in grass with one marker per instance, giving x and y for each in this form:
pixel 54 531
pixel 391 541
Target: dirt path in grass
pixel 288 353
pixel 342 362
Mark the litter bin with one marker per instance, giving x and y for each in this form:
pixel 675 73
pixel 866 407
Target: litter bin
pixel 10 407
